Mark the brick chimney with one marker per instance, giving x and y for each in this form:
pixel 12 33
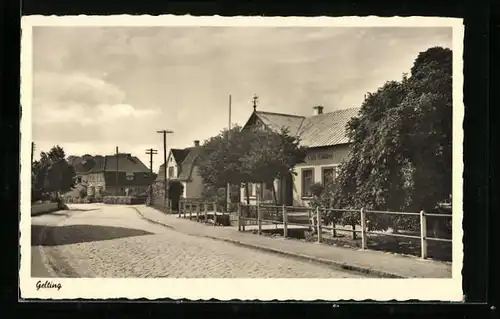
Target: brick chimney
pixel 318 110
pixel 196 143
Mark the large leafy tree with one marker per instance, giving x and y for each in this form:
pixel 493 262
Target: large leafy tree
pixel 272 155
pixel 220 158
pixel 52 173
pixel 401 145
pixel 240 157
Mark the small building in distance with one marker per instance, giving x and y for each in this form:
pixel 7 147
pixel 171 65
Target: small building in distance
pixel 101 175
pixel 327 146
pixel 182 166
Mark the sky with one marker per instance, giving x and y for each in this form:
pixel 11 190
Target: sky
pixel 95 88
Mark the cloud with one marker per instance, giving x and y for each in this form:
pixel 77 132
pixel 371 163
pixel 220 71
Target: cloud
pixel 99 115
pixel 73 88
pixel 118 85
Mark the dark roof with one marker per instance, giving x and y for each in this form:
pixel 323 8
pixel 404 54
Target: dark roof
pixel 185 166
pixel 126 163
pixel 83 166
pixel 189 163
pixel 180 154
pixel 327 129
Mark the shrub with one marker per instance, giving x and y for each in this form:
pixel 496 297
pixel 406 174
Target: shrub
pixel 155 193
pixel 317 189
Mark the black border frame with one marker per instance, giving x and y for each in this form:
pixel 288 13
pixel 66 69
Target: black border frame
pixel 480 186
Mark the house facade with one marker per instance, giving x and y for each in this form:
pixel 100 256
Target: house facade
pixel 182 166
pixel 121 174
pixel 323 134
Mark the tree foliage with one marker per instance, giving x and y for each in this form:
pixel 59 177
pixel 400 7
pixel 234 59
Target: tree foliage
pixel 248 156
pixel 400 157
pixel 220 158
pixel 52 174
pixel 272 155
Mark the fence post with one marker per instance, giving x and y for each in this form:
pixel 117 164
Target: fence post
pixel 318 223
pixel 243 220
pixel 215 213
pixel 184 210
pixel 334 231
pixel 285 223
pixel 259 222
pixel 205 210
pixel 309 211
pixel 198 211
pixel 239 217
pixel 363 228
pixel 423 234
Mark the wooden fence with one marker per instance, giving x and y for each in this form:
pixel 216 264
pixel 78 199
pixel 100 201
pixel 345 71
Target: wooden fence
pixel 311 218
pixel 204 211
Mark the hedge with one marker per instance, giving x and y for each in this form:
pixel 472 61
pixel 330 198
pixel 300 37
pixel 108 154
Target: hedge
pixel 123 200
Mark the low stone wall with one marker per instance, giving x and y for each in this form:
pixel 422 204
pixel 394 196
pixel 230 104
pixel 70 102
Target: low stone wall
pixel 37 209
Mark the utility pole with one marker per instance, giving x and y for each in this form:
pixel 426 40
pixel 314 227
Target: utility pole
pixel 116 191
pixel 151 152
pixel 228 192
pixel 165 132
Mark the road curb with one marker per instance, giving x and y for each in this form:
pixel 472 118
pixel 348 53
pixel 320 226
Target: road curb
pixel 335 264
pixel 152 221
pixel 44 259
pixel 56 268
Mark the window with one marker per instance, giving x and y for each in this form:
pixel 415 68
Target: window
pixel 130 177
pixel 171 171
pixel 254 190
pixel 307 181
pixel 328 175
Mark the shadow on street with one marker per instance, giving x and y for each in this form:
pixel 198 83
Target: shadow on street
pixel 73 234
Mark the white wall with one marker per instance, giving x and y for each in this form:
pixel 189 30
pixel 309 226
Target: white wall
pixel 172 163
pixel 195 185
pixel 317 159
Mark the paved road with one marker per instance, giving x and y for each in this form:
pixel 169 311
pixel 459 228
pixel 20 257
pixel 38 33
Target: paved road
pixel 113 241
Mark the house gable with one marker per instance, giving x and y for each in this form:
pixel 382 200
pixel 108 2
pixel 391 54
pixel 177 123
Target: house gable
pixel 323 130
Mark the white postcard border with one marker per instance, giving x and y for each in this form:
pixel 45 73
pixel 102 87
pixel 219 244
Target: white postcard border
pixel 243 289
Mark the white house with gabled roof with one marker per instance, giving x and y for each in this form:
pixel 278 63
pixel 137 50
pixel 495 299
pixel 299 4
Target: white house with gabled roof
pixel 327 146
pixel 182 166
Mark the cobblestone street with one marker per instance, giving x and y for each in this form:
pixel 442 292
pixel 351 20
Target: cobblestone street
pixel 114 241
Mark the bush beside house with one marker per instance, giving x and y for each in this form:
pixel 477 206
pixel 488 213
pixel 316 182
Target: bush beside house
pixel 156 192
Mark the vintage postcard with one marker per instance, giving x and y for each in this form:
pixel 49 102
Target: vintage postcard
pixel 247 158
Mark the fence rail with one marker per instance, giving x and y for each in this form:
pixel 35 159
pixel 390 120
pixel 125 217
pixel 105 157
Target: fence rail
pixel 257 214
pixel 203 211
